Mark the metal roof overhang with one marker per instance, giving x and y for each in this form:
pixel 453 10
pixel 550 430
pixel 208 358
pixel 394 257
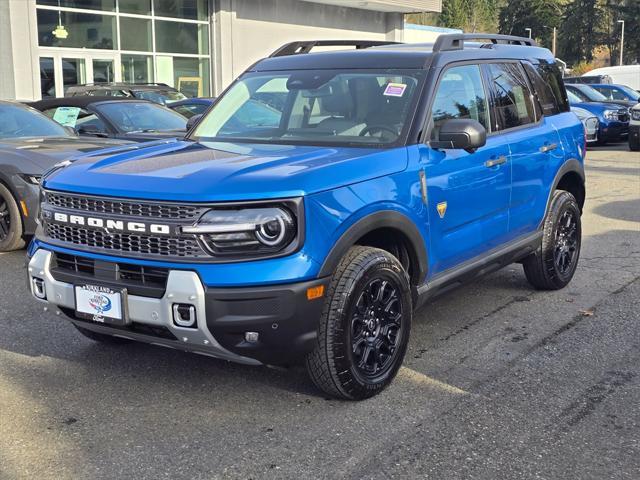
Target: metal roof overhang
pixel 390 6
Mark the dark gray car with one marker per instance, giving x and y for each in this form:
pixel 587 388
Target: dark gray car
pixel 31 144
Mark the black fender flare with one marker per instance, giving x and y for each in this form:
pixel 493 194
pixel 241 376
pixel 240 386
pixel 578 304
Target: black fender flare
pixel 571 165
pixel 381 219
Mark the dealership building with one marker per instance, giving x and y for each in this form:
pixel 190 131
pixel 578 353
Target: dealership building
pixel 198 46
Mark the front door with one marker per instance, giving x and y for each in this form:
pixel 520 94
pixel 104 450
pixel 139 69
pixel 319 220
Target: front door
pixel 468 193
pixel 60 69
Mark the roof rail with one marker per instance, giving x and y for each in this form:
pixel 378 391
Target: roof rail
pixel 455 41
pixel 107 84
pixel 296 48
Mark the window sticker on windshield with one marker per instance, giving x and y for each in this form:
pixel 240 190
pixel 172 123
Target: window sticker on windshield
pixel 395 89
pixel 66 116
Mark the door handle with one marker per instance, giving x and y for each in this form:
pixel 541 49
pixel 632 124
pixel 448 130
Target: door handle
pixel 495 161
pixel 548 148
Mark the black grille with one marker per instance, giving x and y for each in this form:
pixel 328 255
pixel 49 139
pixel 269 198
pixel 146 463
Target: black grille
pixel 137 279
pixel 181 247
pixel 125 207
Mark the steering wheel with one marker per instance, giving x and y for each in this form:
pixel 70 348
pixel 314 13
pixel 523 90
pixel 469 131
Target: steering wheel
pixel 370 129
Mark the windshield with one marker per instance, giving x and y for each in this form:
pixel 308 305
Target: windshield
pixel 573 98
pixel 131 117
pixel 17 122
pixel 589 94
pixel 315 107
pixel 630 92
pixel 159 96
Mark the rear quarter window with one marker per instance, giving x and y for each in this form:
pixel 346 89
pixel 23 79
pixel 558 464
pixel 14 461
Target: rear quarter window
pixel 549 87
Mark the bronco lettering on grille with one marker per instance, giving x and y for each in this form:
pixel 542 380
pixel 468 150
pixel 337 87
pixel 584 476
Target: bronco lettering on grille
pixel 112 225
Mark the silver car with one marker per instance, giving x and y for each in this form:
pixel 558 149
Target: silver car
pixel 590 122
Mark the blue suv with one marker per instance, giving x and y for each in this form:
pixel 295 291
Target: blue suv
pixel 390 173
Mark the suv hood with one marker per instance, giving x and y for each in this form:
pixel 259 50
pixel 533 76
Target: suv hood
pixel 208 172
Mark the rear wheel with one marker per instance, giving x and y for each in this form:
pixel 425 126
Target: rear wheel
pixel 365 326
pixel 10 222
pixel 552 267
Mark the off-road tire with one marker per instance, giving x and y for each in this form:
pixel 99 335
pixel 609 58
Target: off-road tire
pixel 101 337
pixel 541 268
pixel 13 238
pixel 332 365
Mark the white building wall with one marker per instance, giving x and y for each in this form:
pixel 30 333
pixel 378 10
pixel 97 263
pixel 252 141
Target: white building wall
pixel 248 30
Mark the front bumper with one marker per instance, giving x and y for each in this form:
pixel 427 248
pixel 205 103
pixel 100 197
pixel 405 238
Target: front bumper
pixel 285 320
pixel 613 131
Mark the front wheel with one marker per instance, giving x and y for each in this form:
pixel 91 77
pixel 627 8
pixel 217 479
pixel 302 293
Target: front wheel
pixel 10 222
pixel 553 265
pixel 365 325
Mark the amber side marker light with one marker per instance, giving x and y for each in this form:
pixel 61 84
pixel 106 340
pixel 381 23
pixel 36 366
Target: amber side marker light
pixel 315 292
pixel 25 210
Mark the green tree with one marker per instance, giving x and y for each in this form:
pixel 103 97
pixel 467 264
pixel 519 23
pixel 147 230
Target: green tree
pixel 581 30
pixel 469 15
pixel 538 15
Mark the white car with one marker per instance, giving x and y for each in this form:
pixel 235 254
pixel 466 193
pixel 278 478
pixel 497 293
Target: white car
pixel 590 123
pixel 634 129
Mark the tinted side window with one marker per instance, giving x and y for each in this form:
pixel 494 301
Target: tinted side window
pixel 553 77
pixel 460 95
pixel 543 91
pixel 512 98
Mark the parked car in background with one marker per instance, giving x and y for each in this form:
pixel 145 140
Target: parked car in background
pixel 617 92
pixel 587 93
pixel 613 120
pixel 590 123
pixel 589 80
pixel 30 144
pixel 621 75
pixel 634 129
pixel 155 92
pixel 191 106
pixel 108 117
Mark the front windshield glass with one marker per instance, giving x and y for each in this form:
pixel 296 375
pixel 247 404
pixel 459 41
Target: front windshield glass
pixel 18 122
pixel 591 94
pixel 131 117
pixel 162 97
pixel 573 98
pixel 315 107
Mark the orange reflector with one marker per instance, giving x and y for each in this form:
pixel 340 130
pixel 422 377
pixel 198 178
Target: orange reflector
pixel 315 292
pixel 25 210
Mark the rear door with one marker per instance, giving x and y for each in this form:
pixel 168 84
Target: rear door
pixel 468 193
pixel 535 147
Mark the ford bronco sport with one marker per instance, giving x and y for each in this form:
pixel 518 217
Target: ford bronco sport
pixel 366 182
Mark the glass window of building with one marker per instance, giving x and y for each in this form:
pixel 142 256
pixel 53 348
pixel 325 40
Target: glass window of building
pixel 139 7
pixel 178 37
pixel 135 34
pixel 85 30
pixel 188 9
pixel 137 68
pixel 106 5
pixel 189 75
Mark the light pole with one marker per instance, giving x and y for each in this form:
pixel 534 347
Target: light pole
pixel 621 41
pixel 528 30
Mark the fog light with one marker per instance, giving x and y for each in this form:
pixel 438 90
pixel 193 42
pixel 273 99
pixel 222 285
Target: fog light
pixel 251 337
pixel 184 315
pixel 38 288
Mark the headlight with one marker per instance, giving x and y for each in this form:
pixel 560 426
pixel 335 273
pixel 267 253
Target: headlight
pixel 611 114
pixel 252 231
pixel 635 113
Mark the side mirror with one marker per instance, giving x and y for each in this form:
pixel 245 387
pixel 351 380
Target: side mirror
pixel 461 133
pixel 192 121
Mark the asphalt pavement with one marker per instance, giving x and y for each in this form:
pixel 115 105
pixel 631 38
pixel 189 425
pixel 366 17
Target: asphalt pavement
pixel 500 382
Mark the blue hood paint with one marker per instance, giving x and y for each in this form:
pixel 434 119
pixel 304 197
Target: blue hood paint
pixel 209 172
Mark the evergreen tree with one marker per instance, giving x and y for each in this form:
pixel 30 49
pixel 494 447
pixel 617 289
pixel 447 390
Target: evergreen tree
pixel 538 15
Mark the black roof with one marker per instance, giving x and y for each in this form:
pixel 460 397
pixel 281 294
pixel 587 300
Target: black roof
pixel 121 85
pixel 382 55
pixel 80 101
